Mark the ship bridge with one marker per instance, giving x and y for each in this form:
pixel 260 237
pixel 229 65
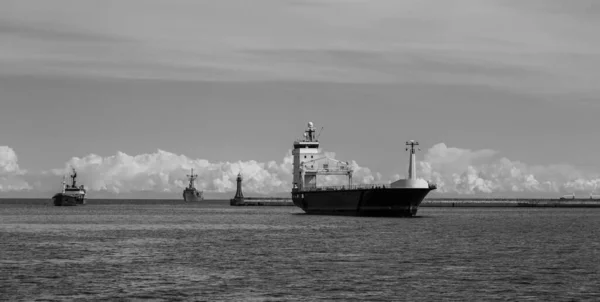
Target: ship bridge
pixel 309 161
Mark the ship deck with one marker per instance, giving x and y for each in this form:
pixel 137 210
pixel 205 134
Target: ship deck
pixel 344 188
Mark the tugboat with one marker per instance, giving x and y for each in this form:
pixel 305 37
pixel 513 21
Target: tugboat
pixel 190 193
pixel 70 195
pixel 400 198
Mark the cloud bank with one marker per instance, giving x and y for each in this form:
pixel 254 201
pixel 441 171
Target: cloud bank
pixel 456 171
pixel 469 172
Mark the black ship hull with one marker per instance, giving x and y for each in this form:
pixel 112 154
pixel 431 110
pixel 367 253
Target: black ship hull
pixel 395 202
pixel 66 200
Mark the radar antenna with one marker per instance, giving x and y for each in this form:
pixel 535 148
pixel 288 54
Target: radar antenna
pixel 74 176
pixel 192 177
pixel 412 145
pixel 309 134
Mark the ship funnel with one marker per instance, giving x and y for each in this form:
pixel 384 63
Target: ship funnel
pixel 412 174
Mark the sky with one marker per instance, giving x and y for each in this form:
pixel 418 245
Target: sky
pixel 502 95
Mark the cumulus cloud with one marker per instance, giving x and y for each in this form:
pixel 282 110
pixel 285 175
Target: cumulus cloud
pixel 464 171
pixel 10 173
pixel 164 171
pixel 454 170
pixel 8 160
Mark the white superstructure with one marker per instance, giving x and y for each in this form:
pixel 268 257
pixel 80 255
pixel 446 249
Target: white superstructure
pixel 309 162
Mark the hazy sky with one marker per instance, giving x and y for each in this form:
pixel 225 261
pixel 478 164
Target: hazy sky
pixel 502 95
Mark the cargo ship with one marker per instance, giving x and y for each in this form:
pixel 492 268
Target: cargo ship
pixel 190 193
pixel 400 198
pixel 70 195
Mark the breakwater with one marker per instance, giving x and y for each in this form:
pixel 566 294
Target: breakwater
pixel 240 200
pixel 261 201
pixel 512 202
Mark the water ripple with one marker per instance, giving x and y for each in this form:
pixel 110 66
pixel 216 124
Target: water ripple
pixel 191 252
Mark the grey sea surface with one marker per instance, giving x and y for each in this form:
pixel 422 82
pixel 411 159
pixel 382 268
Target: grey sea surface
pixel 211 251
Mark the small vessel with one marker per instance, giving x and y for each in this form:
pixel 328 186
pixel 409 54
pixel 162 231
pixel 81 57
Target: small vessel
pixel 400 198
pixel 572 196
pixel 191 193
pixel 70 195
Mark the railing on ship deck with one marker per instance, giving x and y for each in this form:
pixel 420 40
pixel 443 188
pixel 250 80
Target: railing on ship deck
pixel 338 188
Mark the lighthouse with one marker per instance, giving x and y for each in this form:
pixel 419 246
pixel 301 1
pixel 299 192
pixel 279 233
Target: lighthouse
pixel 238 193
pixel 239 196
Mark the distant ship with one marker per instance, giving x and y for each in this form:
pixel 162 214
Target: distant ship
pixel 400 198
pixel 191 193
pixel 70 195
pixel 572 196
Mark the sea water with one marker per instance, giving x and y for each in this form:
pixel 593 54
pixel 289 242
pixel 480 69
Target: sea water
pixel 212 251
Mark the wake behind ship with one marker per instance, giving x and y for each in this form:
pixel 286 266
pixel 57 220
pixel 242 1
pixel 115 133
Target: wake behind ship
pixel 70 195
pixel 190 193
pixel 400 198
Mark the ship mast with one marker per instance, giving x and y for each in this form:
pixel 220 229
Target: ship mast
pixel 310 133
pixel 412 161
pixel 192 177
pixel 74 176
